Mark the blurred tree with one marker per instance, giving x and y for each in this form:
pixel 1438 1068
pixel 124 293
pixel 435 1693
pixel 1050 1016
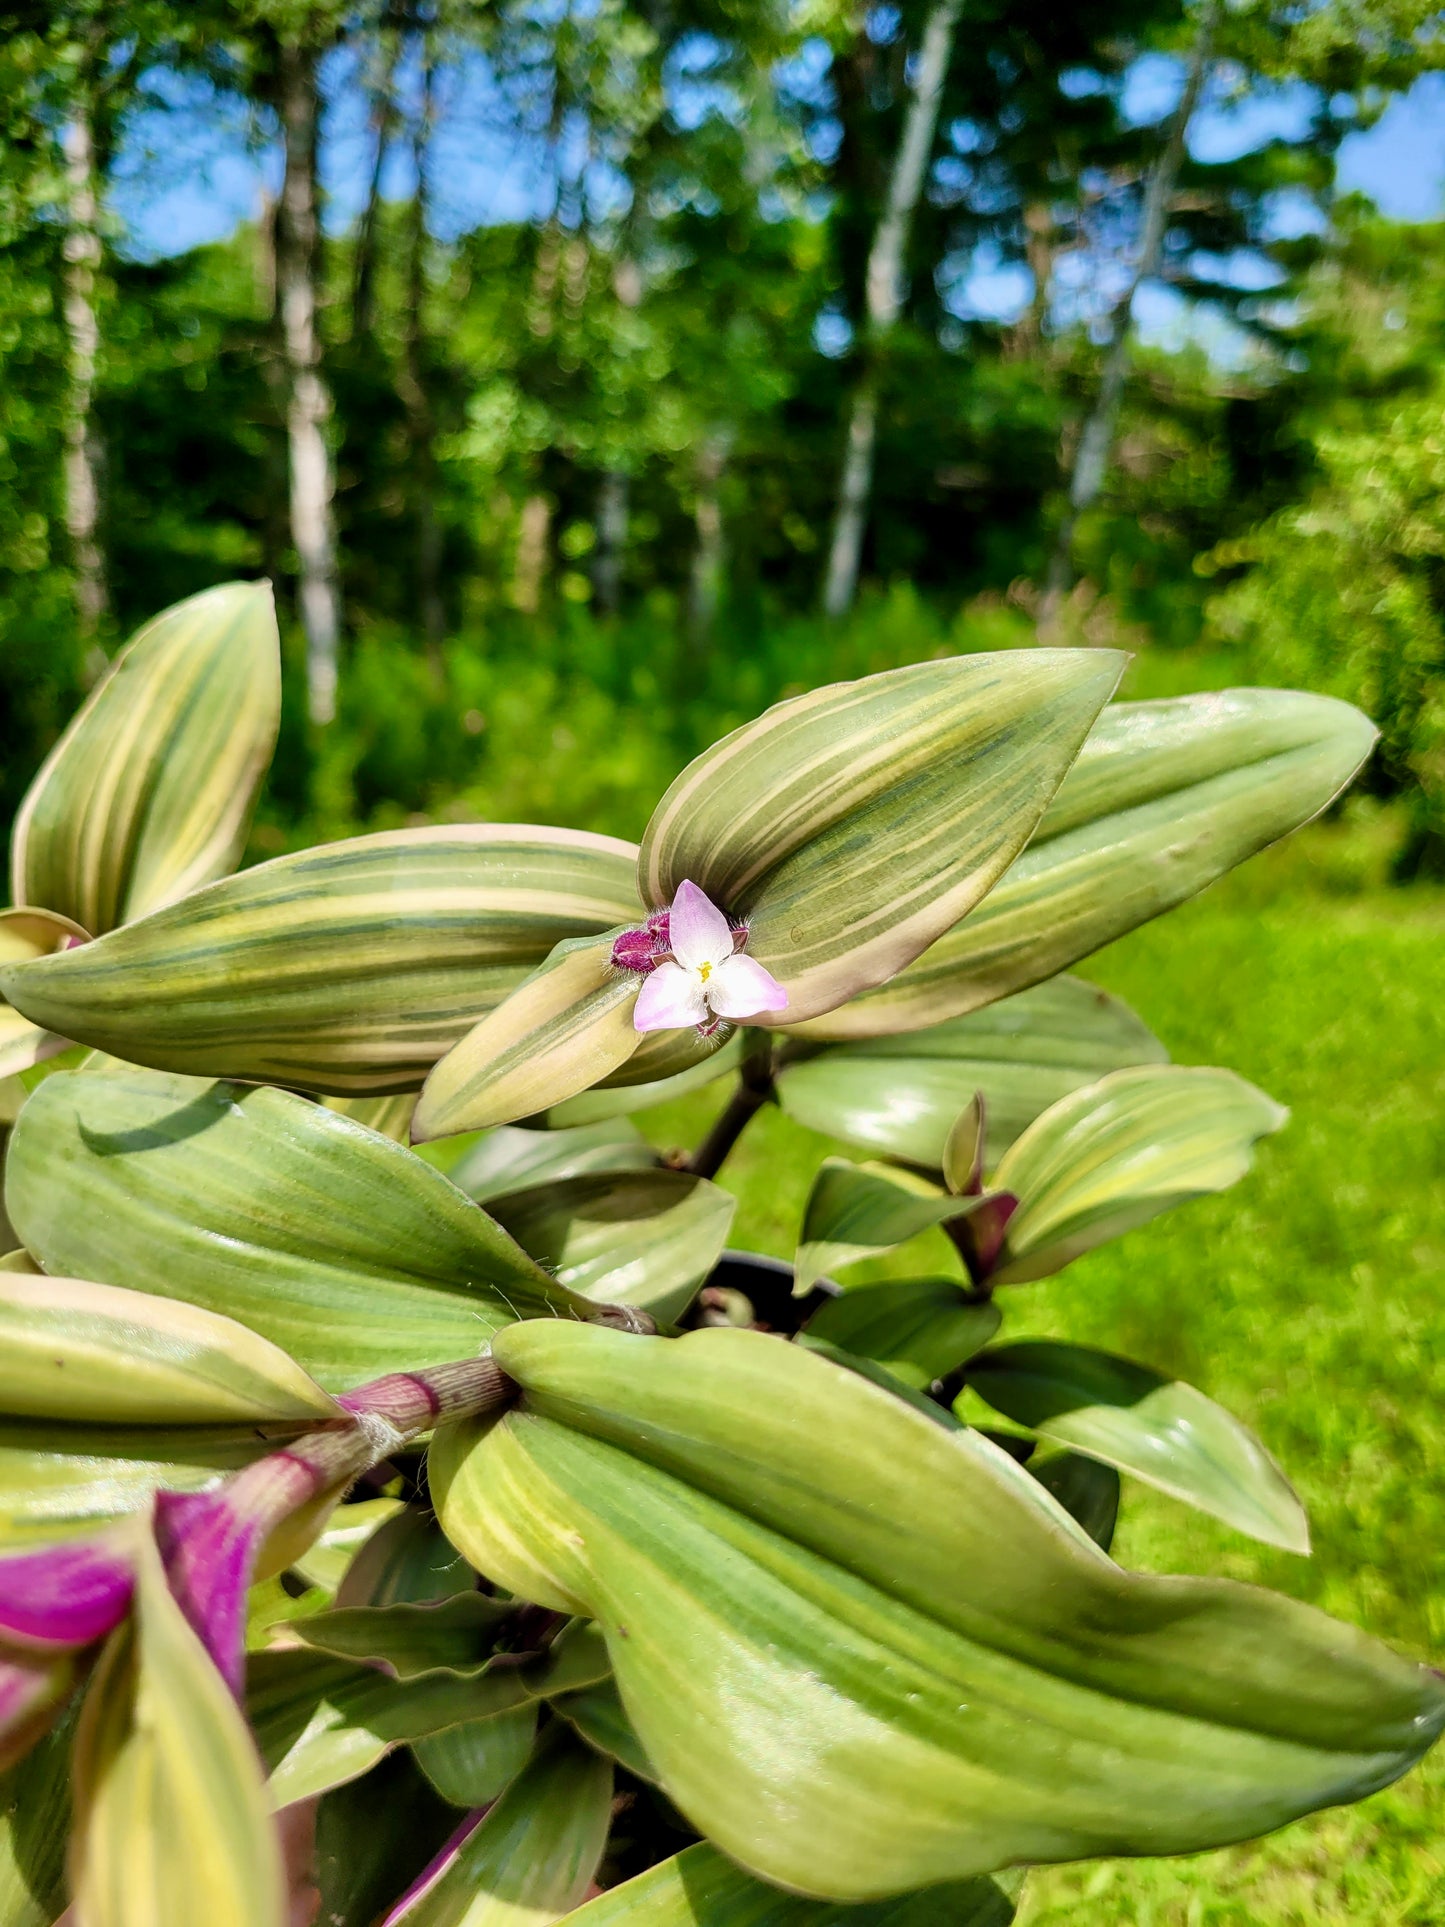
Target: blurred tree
pixel 883 298
pixel 1344 589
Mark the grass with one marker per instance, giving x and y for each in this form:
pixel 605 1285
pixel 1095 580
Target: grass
pixel 1307 1300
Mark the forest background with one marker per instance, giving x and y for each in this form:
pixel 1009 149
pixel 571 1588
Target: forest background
pixel 561 360
pixel 589 373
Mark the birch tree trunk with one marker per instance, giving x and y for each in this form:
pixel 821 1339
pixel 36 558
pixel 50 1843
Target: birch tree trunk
pixel 83 452
pixel 883 297
pixel 415 395
pixel 313 485
pixel 1096 441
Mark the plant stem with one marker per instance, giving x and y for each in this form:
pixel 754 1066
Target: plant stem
pixel 755 1088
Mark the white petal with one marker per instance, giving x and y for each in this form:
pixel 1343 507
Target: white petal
pixel 740 987
pixel 670 999
pixel 697 931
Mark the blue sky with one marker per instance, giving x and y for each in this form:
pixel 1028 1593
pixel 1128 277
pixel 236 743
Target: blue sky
pixel 190 171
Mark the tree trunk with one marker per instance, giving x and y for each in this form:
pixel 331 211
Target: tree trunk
pixel 83 451
pixel 709 557
pixel 415 395
pixel 1096 441
pixel 383 119
pixel 883 295
pixel 612 507
pixel 313 485
pixel 530 567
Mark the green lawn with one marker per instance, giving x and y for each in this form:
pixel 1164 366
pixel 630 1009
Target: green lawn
pixel 1307 1300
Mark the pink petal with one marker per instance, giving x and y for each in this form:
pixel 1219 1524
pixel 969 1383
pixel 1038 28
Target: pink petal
pixel 697 930
pixel 670 999
pixel 740 987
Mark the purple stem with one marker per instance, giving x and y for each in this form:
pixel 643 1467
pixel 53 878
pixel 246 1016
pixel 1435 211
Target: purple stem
pixel 63 1596
pixel 209 1541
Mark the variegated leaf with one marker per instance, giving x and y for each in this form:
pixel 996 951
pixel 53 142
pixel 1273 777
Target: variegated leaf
pixel 321 1721
pixel 598 1715
pixel 148 794
pixel 330 1241
pixel 901 1095
pixel 866 1653
pixel 1115 1154
pixel 102 1355
pixel 470 1765
pixel 852 826
pixel 490 1164
pixel 1160 1429
pixel 171 1815
pixel 565 1029
pixel 645 1238
pixel 1164 798
pixel 57 1480
pixel 453 1635
pixel 389 1115
pixel 699 1888
pixel 347 969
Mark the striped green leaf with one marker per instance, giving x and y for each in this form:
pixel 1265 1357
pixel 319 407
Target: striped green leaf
pixel 348 969
pixel 645 1238
pixel 532 1857
pixel 1164 798
pixel 852 826
pixel 699 1888
pixel 563 1030
pixel 920 1328
pixel 102 1355
pixel 866 1653
pixel 490 1164
pixel 597 1713
pixel 406 1560
pixel 1159 1429
pixel 171 1814
pixel 1117 1153
pixel 857 1210
pixel 57 1480
pixel 330 1241
pixel 453 1635
pixel 900 1095
pixel 469 1765
pixel 389 1115
pixel 321 1721
pixel 148 793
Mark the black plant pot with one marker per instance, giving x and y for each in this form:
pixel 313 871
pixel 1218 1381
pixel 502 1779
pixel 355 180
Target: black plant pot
pixel 766 1284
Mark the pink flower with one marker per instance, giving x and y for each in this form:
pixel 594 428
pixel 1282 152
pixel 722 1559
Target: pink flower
pixel 707 977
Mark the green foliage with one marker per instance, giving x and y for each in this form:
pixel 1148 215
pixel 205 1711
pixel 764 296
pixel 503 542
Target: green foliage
pixel 1345 589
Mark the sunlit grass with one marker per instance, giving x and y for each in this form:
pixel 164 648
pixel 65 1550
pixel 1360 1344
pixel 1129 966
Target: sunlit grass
pixel 1308 1299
